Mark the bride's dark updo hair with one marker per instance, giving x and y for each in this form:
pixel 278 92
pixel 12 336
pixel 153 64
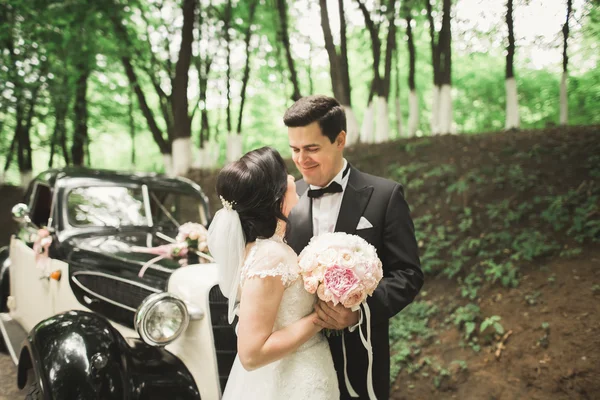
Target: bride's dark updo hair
pixel 256 185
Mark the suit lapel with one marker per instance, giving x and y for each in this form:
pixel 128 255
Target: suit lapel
pixel 302 224
pixel 355 200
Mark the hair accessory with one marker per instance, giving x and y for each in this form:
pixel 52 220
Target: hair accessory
pixel 227 204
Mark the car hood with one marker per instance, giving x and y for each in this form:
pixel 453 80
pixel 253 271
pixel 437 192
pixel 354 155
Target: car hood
pixel 123 255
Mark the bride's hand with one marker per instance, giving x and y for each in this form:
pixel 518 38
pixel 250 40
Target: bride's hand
pixel 317 321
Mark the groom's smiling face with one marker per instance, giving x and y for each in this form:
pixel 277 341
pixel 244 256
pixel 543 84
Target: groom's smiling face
pixel 317 159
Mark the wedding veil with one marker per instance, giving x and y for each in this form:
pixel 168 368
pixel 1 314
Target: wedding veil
pixel 227 245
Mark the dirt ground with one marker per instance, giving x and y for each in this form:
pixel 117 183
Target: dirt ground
pixel 8 378
pixel 564 365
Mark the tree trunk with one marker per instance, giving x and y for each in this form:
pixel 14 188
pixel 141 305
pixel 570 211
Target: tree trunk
pixel 61 106
pixel 344 69
pixel 131 128
pixel 564 104
pixel 285 38
pixel 382 133
pixel 163 144
pixel 512 101
pixel 367 133
pixel 445 100
pixel 399 117
pixel 248 37
pixel 182 145
pixel 338 68
pixel 413 103
pixel 80 129
pixel 435 63
pixel 335 71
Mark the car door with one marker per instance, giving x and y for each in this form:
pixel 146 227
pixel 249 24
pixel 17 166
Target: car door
pixel 32 292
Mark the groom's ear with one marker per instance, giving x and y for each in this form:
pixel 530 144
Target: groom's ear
pixel 340 140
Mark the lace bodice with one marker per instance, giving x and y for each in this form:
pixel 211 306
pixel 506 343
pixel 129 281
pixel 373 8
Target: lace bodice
pixel 273 257
pixel 308 373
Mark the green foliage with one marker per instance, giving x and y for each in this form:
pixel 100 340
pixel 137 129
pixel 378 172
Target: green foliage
pixel 470 286
pixel 530 244
pixel 505 272
pixel 465 317
pixel 493 321
pixel 408 330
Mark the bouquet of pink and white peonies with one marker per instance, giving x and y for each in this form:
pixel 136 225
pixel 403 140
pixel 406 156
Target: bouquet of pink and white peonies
pixel 340 268
pixel 344 269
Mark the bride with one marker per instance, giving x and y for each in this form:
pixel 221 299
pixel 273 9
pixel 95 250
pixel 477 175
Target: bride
pixel 281 353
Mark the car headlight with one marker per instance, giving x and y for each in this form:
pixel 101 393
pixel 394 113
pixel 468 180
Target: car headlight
pixel 161 318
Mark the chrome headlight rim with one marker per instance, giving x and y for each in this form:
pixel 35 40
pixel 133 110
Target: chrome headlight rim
pixel 144 310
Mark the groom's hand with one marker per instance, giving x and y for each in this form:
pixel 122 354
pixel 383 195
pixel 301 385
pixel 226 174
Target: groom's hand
pixel 335 317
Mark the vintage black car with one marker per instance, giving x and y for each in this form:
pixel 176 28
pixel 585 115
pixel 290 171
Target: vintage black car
pixel 87 311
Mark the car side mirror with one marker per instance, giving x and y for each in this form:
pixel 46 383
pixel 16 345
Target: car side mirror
pixel 20 213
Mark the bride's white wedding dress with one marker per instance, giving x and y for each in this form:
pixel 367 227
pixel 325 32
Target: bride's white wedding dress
pixel 305 374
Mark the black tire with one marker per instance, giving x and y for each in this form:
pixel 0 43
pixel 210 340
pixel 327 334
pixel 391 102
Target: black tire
pixel 32 389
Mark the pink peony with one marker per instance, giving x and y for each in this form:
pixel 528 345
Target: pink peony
pixel 339 280
pixel 353 297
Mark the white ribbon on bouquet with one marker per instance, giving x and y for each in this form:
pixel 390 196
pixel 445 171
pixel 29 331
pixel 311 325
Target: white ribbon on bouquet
pixel 367 343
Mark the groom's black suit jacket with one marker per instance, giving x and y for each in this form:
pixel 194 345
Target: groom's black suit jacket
pixel 382 203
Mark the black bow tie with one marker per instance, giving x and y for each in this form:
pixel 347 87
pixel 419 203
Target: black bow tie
pixel 333 188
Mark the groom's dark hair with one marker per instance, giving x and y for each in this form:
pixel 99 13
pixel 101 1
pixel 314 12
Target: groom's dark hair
pixel 256 185
pixel 327 111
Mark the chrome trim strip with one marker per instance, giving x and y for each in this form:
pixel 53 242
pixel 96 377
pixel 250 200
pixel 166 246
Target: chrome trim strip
pixel 147 208
pixel 116 278
pixel 7 342
pixel 76 281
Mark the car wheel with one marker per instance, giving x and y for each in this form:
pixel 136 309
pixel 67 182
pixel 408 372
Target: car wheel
pixel 32 389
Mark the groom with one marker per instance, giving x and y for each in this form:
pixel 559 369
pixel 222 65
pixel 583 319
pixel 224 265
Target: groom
pixel 336 197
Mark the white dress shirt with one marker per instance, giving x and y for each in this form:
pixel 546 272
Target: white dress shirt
pixel 325 209
pixel 325 212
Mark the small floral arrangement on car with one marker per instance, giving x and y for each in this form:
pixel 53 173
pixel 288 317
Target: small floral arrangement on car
pixel 189 247
pixel 42 240
pixel 343 268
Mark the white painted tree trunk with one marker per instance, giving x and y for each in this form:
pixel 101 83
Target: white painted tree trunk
pixel 26 177
pixel 512 104
pixel 413 113
pixel 564 103
pixel 366 131
pixel 234 147
pixel 182 156
pixel 446 120
pixel 199 158
pixel 382 125
pixel 399 120
pixel 212 153
pixel 435 110
pixel 168 162
pixel 352 127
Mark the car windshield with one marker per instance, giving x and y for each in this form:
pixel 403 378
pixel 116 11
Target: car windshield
pixel 125 206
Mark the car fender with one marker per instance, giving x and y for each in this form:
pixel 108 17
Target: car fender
pixel 4 278
pixel 80 355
